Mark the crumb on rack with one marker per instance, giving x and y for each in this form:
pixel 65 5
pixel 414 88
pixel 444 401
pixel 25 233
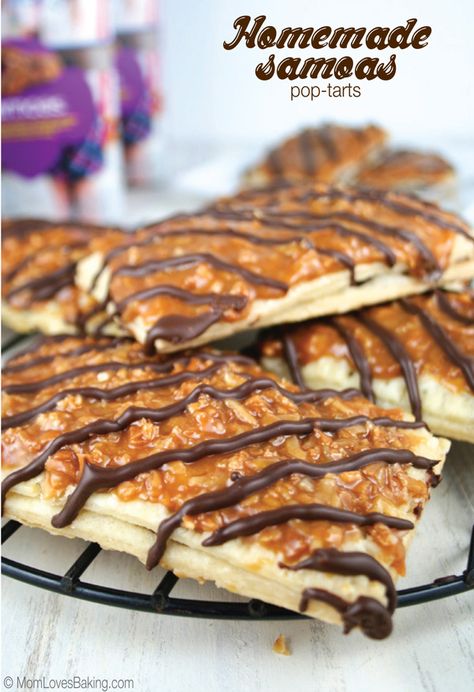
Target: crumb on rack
pixel 280 646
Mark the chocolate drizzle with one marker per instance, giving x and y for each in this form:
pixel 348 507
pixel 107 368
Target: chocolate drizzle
pixel 384 199
pixel 447 307
pixel 244 487
pixel 367 613
pixel 322 224
pixel 307 145
pixel 246 526
pixel 358 357
pixel 188 260
pixel 350 564
pixel 45 287
pixel 292 360
pixel 42 360
pixel 462 361
pixel 400 354
pixel 165 366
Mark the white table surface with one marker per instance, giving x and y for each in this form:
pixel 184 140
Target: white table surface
pixel 57 637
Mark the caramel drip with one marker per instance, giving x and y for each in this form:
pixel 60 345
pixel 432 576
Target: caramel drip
pixel 358 357
pixel 400 354
pixel 247 526
pixel 448 308
pixel 244 487
pixel 349 564
pixel 461 360
pixel 367 613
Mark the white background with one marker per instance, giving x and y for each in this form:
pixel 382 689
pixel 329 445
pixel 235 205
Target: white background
pixel 212 93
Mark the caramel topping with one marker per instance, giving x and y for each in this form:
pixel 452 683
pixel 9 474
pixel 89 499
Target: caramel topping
pixel 226 448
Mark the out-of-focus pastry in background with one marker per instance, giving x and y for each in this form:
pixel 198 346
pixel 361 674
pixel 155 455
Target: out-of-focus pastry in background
pixel 357 156
pixel 330 153
pixel 407 170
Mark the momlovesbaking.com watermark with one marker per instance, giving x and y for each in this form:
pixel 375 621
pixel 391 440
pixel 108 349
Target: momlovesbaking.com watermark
pixel 75 682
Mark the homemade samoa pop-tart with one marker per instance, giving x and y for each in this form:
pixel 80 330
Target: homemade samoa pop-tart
pixel 208 465
pixel 271 256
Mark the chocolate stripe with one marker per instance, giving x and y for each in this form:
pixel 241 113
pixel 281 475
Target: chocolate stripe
pixel 165 366
pixel 42 360
pixel 400 354
pixel 382 198
pixel 45 287
pixel 29 387
pixel 307 146
pixel 366 612
pixel 349 564
pixel 320 225
pixel 447 307
pixel 33 255
pixel 224 301
pixel 275 163
pixel 244 487
pixel 464 362
pixel 292 360
pixel 180 328
pixel 248 526
pixel 325 137
pixel 205 257
pixel 358 357
pixel 238 392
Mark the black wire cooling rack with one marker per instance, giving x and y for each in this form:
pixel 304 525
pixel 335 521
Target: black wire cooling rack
pixel 161 601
